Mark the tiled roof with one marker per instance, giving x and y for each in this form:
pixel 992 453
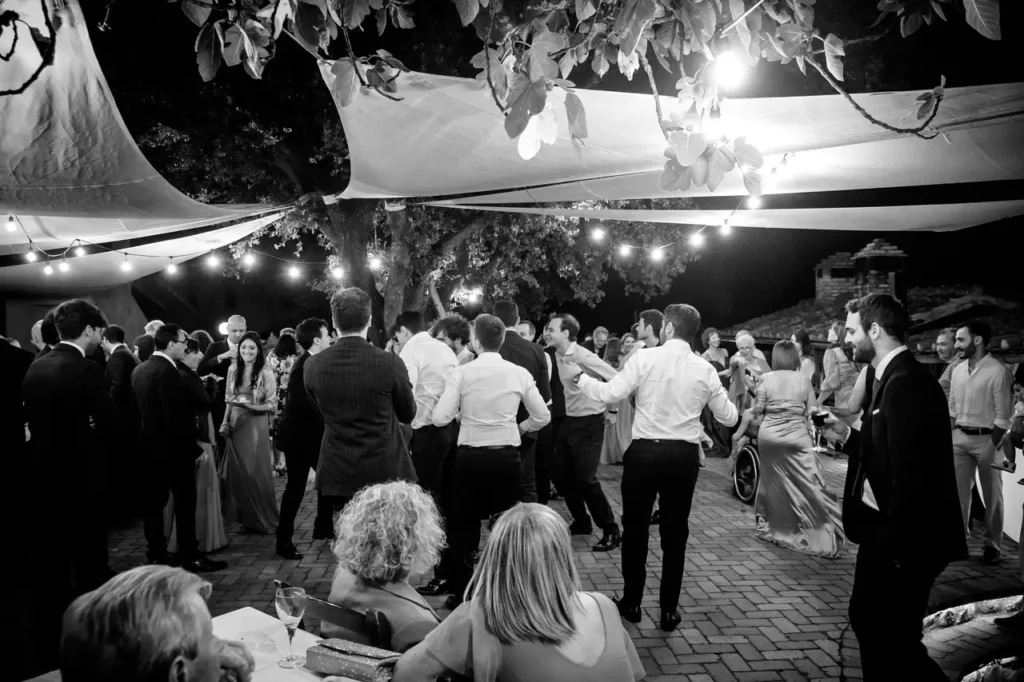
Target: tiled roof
pixel 880 247
pixel 843 259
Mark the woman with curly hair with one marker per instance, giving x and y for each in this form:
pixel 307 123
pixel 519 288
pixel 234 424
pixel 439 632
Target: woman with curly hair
pixel 525 617
pixel 387 533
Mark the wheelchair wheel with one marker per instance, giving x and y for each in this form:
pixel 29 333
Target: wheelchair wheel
pixel 746 473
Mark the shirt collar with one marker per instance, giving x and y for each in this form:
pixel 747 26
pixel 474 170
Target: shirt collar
pixel 417 338
pixel 165 355
pixel 489 355
pixel 73 345
pixel 678 341
pixel 884 364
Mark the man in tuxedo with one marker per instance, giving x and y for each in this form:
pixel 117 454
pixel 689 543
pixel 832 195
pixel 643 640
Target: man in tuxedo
pixel 168 442
pixel 121 362
pixel 299 436
pixel 70 415
pixel 362 393
pixel 218 358
pixel 530 357
pixel 48 336
pixel 900 503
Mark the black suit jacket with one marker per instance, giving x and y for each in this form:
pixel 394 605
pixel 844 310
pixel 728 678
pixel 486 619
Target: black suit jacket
pixel 362 393
pixel 302 429
pixel 210 365
pixel 529 356
pixel 167 410
pixel 905 451
pixel 119 370
pixel 200 399
pixel 71 417
pixel 15 363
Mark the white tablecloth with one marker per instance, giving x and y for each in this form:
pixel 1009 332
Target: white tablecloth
pixel 267 639
pixel 1013 499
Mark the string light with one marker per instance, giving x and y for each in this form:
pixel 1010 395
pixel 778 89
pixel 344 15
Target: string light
pixel 48 270
pixel 212 260
pixel 294 272
pixel 337 273
pixel 11 225
pixel 475 295
pixel 376 263
pixel 624 250
pixel 696 240
pixel 597 235
pixel 63 266
pixel 79 251
pixel 658 255
pixel 249 259
pixel 31 257
pixel 730 72
pixel 126 265
pixel 754 202
pixel 172 268
pixel 725 229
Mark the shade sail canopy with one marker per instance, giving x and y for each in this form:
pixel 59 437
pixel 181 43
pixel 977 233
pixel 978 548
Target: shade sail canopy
pixel 104 270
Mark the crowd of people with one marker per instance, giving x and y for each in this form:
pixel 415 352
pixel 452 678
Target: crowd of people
pixel 460 423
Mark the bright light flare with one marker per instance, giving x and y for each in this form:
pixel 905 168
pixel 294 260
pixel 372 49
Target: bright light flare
pixel 725 229
pixel 294 272
pixel 598 234
pixel 126 265
pixel 376 263
pixel 63 267
pixel 730 71
pixel 754 202
pixel 624 250
pixel 249 259
pixel 658 255
pixel 212 260
pixel 337 273
pixel 696 240
pixel 48 270
pixel 31 257
pixel 79 251
pixel 172 269
pixel 11 224
pixel 223 328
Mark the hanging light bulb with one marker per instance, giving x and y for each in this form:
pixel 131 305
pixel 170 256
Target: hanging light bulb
pixel 294 272
pixel 730 70
pixel 31 257
pixel 79 251
pixel 597 234
pixel 126 265
pixel 475 295
pixel 63 266
pixel 11 225
pixel 48 270
pixel 172 268
pixel 249 259
pixel 212 260
pixel 725 229
pixel 337 273
pixel 696 240
pixel 754 202
pixel 658 255
pixel 624 250
pixel 375 263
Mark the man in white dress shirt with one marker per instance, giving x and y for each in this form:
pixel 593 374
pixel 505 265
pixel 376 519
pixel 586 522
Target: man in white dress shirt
pixel 430 362
pixel 488 471
pixel 672 384
pixel 580 436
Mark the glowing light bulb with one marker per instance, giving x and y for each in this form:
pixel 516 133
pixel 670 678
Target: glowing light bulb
pixel 376 263
pixel 754 202
pixel 172 269
pixel 249 259
pixel 11 225
pixel 48 270
pixel 31 256
pixel 79 251
pixel 337 273
pixel 624 250
pixel 730 70
pixel 598 234
pixel 126 265
pixel 63 266
pixel 212 260
pixel 294 272
pixel 223 328
pixel 696 240
pixel 725 229
pixel 658 255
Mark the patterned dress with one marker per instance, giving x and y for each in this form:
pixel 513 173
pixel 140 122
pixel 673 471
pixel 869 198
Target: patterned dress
pixel 282 368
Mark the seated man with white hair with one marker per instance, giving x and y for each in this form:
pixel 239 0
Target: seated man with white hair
pixel 150 623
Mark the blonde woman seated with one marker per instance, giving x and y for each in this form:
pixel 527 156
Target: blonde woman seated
pixel 793 508
pixel 385 534
pixel 525 618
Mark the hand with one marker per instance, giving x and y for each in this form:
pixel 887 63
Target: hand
pixel 226 355
pixel 203 458
pixel 610 417
pixel 235 660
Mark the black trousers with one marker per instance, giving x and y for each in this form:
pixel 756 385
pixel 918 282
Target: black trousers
pixel 887 607
pixel 652 468
pixel 328 507
pixel 545 459
pixel 528 457
pixel 430 445
pixel 488 481
pixel 300 462
pixel 577 453
pixel 446 501
pixel 178 477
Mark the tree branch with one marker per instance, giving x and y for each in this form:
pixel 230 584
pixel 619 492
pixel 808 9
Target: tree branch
pixel 837 86
pixel 352 55
pixel 654 89
pixel 862 39
pixel 487 60
pixel 46 55
pixel 740 18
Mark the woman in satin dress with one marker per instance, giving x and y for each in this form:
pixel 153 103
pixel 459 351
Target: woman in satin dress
pixel 618 429
pixel 793 508
pixel 250 393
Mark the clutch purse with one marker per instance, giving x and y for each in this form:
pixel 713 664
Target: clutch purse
pixel 348 659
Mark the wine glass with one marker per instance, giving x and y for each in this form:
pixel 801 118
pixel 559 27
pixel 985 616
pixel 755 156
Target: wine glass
pixel 818 416
pixel 291 604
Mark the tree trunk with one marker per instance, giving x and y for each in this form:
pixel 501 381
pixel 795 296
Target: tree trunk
pixel 399 265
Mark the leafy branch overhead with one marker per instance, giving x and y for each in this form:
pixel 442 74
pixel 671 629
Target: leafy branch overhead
pixel 530 48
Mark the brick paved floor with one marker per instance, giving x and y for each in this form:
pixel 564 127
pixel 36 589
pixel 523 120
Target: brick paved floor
pixel 751 611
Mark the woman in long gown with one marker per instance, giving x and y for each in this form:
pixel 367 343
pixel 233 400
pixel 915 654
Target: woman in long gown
pixel 250 393
pixel 618 429
pixel 793 508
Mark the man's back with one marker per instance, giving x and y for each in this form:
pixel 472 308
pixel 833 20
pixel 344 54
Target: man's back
pixel 362 393
pixel 119 372
pixel 301 425
pixel 530 357
pixel 158 393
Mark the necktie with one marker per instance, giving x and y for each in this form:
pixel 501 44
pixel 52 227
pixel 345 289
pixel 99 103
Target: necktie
pixel 874 389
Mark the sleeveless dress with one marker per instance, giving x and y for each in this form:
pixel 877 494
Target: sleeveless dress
pixel 793 508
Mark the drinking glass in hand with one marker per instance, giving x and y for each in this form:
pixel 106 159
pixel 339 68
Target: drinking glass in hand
pixel 291 604
pixel 818 416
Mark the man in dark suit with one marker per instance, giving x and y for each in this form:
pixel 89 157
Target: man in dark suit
pixel 169 450
pixel 70 415
pixel 299 436
pixel 900 504
pixel 121 362
pixel 217 360
pixel 48 335
pixel 362 393
pixel 529 356
pixel 15 362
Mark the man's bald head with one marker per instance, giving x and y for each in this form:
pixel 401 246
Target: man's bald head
pixel 236 329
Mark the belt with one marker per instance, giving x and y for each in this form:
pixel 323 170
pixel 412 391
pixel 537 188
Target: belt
pixel 972 431
pixel 674 441
pixel 489 447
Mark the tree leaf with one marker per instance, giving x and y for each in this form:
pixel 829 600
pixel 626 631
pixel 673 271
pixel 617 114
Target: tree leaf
pixel 234 39
pixel 675 178
pixel 283 11
pixel 353 12
pixel 585 9
pixel 600 61
pixel 747 154
pixel 468 10
pixel 631 22
pixel 752 181
pixel 688 146
pixel 628 64
pixel 670 36
pixel 737 9
pixel 346 82
pixel 910 23
pixel 527 99
pixel 938 10
pixel 499 76
pixel 309 23
pixel 724 158
pixel 257 33
pixel 382 21
pixel 715 174
pixel 197 14
pixel 542 47
pixel 576 115
pixel 833 52
pixel 208 52
pixel 401 16
pixel 983 17
pixel 699 170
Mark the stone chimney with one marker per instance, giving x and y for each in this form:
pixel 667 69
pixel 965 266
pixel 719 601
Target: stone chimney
pixel 879 269
pixel 834 279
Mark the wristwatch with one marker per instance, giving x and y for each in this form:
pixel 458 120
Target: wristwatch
pixel 576 379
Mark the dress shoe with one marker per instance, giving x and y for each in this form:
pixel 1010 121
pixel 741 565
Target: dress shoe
pixel 453 601
pixel 630 613
pixel 434 587
pixel 554 495
pixel 990 556
pixel 323 533
pixel 609 541
pixel 656 517
pixel 576 528
pixel 161 559
pixel 670 621
pixel 288 552
pixel 201 564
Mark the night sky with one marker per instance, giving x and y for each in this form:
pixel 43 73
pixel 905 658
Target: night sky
pixel 752 272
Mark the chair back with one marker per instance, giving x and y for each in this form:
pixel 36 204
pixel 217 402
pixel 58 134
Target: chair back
pixel 372 625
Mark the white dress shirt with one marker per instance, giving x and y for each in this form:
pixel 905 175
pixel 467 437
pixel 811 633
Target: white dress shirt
pixel 981 398
pixel 578 403
pixel 884 363
pixel 73 345
pixel 168 357
pixel 672 386
pixel 465 356
pixel 430 362
pixel 488 391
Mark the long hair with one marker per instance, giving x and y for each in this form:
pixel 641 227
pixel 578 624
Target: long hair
pixel 526 582
pixel 613 351
pixel 785 356
pixel 803 339
pixel 203 338
pixel 257 364
pixel 286 346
